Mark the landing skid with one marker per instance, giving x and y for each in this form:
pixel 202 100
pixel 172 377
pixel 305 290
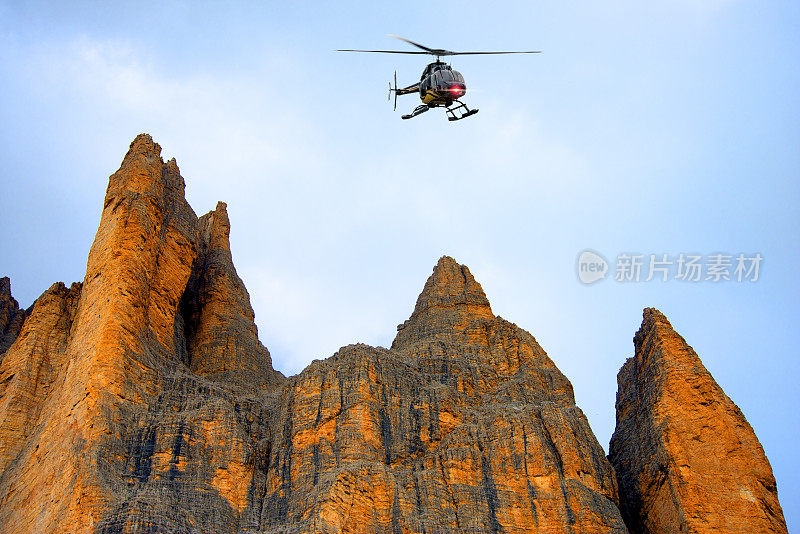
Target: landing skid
pixel 419 110
pixel 459 111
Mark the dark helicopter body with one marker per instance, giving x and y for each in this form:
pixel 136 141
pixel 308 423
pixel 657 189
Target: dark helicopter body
pixel 439 86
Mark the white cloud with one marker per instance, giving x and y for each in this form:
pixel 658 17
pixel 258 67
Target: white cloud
pixel 226 129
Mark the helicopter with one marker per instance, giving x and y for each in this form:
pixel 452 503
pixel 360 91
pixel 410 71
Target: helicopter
pixel 440 86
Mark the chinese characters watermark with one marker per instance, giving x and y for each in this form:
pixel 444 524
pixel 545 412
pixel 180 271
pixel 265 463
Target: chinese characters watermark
pixel 632 267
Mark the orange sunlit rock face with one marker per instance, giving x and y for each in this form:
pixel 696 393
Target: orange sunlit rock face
pixel 686 458
pixel 105 428
pixel 141 400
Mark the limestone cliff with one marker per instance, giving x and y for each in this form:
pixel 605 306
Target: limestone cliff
pixel 30 369
pixel 686 458
pixel 105 426
pixel 141 400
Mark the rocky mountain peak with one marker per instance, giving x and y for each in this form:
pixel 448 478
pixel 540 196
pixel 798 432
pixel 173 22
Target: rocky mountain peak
pixel 11 317
pixel 143 145
pixel 221 338
pixel 449 303
pixel 216 227
pixel 673 422
pixel 5 287
pixel 655 326
pixel 144 172
pixel 8 303
pixel 451 284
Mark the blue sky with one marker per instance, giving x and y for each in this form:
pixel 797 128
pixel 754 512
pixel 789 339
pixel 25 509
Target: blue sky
pixel 657 128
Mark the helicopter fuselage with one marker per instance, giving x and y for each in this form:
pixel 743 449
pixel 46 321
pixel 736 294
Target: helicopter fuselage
pixel 439 85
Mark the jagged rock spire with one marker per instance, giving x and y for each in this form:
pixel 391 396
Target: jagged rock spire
pixel 450 284
pixel 8 304
pixel 686 458
pixel 450 301
pixel 219 323
pixel 11 317
pixel 123 349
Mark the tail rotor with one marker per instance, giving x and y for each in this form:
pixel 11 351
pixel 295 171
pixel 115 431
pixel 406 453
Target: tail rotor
pixel 393 90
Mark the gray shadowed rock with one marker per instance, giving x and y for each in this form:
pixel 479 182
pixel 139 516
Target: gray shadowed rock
pixel 11 317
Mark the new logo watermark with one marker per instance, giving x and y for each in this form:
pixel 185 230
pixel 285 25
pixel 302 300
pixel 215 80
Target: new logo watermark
pixel 686 267
pixel 592 267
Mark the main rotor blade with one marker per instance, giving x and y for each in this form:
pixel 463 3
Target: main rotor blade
pixel 384 51
pixel 443 52
pixel 436 51
pixel 476 53
pixel 433 51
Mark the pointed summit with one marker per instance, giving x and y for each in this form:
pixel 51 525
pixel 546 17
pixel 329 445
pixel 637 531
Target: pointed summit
pixel 481 391
pixel 449 303
pixel 8 304
pixel 449 285
pixel 144 173
pixel 143 145
pixel 677 436
pixel 5 286
pixel 216 306
pixel 11 317
pixel 216 227
pixel 655 325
